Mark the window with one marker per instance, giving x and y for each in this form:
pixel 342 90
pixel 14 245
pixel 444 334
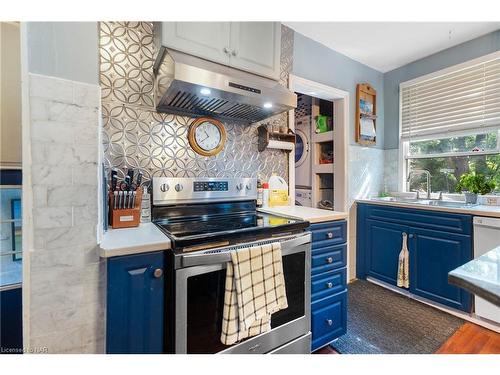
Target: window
pixel 450 125
pixel 10 228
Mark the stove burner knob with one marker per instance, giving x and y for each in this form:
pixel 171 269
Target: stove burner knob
pixel 249 186
pixel 239 186
pixel 164 187
pixel 178 187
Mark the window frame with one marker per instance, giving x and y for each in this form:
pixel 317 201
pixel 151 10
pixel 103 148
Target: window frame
pixel 404 143
pixel 405 156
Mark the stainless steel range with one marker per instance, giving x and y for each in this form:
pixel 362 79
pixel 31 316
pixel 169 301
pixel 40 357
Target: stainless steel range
pixel 206 219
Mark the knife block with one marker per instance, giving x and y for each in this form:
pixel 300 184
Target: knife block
pixel 125 217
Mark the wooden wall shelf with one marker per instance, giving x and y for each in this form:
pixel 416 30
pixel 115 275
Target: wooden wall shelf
pixel 366 114
pixel 265 136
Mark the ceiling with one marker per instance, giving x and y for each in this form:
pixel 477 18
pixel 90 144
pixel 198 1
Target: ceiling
pixel 385 46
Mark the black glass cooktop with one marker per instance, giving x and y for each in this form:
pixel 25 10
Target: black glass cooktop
pixel 191 225
pixel 223 224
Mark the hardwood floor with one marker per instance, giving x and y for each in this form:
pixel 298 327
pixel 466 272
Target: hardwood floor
pixel 472 339
pixel 468 339
pixel 326 350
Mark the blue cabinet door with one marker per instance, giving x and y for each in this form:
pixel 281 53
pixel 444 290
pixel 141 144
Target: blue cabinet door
pixel 383 243
pixel 432 255
pixel 328 319
pixel 11 324
pixel 135 304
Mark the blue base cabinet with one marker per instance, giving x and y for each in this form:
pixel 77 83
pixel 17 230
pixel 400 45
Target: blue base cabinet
pixel 11 322
pixel 328 282
pixel 438 242
pixel 383 242
pixel 434 254
pixel 135 304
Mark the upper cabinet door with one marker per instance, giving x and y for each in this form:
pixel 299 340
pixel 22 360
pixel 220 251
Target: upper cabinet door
pixel 256 47
pixel 208 40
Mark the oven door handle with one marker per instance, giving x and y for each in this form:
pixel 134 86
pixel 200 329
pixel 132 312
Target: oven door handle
pixel 289 245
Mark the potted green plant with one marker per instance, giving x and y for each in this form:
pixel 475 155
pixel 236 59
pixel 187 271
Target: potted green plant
pixel 472 184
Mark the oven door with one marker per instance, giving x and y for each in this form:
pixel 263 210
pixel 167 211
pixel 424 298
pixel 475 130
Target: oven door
pixel 200 301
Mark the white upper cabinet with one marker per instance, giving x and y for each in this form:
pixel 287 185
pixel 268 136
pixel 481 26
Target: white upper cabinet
pixel 256 47
pixel 209 40
pixel 250 46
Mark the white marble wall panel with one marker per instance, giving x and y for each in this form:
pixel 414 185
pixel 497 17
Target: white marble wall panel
pixel 366 172
pixel 366 179
pixel 391 170
pixel 66 280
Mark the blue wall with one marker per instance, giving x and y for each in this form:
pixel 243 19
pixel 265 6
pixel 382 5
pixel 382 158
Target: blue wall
pixel 455 55
pixel 67 50
pixel 316 62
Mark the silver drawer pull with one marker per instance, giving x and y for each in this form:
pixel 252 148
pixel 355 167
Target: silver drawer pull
pixel 329 285
pixel 252 348
pixel 329 260
pixel 329 322
pixel 158 273
pixel 329 235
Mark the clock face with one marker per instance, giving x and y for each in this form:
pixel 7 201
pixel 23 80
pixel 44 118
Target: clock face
pixel 207 136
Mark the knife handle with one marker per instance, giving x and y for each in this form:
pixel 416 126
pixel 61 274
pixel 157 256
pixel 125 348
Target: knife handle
pixel 130 174
pixel 115 198
pixel 114 179
pixel 139 179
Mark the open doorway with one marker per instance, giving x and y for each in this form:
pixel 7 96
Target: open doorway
pixel 10 190
pixel 320 124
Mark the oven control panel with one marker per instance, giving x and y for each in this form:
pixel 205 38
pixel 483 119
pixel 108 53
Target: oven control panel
pixel 173 190
pixel 210 185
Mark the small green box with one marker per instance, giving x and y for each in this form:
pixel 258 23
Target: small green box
pixel 323 124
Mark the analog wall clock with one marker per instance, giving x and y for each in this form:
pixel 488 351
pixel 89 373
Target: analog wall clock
pixel 207 136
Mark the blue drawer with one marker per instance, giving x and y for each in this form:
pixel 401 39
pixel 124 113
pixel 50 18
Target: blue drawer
pixel 330 233
pixel 427 219
pixel 328 283
pixel 328 258
pixel 329 319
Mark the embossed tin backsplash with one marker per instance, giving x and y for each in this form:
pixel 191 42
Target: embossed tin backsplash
pixel 136 136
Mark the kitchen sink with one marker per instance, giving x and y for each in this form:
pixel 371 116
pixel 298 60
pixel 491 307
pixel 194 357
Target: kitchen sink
pixel 425 202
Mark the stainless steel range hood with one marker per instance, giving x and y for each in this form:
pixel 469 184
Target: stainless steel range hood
pixel 188 85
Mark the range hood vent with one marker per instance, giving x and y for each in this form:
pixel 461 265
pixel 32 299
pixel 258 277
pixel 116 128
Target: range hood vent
pixel 188 85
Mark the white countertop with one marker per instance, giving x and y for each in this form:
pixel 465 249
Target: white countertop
pixel 478 210
pixel 147 237
pixel 313 215
pixel 142 239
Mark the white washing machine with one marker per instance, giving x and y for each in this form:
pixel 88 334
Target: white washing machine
pixel 303 197
pixel 303 152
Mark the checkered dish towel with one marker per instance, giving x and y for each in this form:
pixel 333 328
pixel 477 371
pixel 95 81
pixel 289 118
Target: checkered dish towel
pixel 255 289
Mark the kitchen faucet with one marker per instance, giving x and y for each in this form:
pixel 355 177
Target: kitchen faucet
pixel 417 172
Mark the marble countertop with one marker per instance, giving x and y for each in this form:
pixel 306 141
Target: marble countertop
pixel 478 209
pixel 147 237
pixel 313 215
pixel 142 239
pixel 480 276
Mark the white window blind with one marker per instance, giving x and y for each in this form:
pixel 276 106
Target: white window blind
pixel 459 101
